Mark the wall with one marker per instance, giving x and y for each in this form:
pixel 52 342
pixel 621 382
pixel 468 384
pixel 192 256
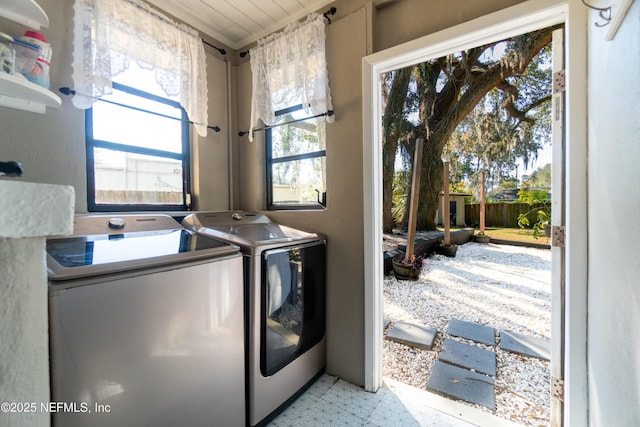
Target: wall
pixel 211 175
pixel 614 230
pixel 51 147
pixel 404 20
pixel 346 43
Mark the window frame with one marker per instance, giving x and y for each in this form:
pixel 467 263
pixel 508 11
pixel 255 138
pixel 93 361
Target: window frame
pixel 270 161
pixel 185 157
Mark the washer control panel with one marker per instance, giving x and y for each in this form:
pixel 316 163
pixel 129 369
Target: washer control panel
pixel 86 225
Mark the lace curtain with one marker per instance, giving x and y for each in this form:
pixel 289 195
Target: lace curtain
pixel 108 34
pixel 290 68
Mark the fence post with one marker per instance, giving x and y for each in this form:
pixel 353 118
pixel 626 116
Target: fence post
pixel 482 203
pixel 415 197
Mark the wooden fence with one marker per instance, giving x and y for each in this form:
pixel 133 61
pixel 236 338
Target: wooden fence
pixel 501 214
pixel 144 197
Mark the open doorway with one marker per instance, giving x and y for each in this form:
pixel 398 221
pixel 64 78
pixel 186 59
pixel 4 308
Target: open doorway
pixel 527 16
pixel 475 327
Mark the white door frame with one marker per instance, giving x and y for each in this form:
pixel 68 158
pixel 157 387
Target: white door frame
pixel 524 17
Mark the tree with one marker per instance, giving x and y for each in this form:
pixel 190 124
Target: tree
pixel 395 85
pixel 492 140
pixel 445 91
pixel 540 178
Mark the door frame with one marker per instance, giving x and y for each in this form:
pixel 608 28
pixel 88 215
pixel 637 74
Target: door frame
pixel 523 17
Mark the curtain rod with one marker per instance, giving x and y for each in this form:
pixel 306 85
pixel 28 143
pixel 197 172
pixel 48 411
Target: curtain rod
pixel 332 12
pixel 69 91
pixel 219 49
pixel 328 113
pixel 326 15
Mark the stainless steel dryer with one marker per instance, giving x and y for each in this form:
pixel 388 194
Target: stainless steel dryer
pixel 146 325
pixel 285 282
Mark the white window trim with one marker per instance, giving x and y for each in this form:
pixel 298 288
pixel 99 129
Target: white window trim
pixel 524 17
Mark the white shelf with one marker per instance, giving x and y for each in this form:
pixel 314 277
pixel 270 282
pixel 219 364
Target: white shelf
pixel 18 92
pixel 15 90
pixel 25 12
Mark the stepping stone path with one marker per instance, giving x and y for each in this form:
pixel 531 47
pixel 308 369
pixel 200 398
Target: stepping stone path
pixel 464 371
pixel 525 345
pixel 468 356
pixel 413 335
pixel 462 384
pixel 472 331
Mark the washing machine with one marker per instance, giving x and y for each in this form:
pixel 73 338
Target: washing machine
pixel 285 289
pixel 146 325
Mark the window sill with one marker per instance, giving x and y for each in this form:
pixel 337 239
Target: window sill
pixel 297 207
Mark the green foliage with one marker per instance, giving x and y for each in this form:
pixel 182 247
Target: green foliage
pixel 543 214
pixel 401 184
pixel 541 177
pixel 459 187
pixel 532 197
pixel 510 183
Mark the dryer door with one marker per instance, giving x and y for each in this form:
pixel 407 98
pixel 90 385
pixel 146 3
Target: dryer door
pixel 292 303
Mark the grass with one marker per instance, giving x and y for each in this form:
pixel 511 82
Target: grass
pixel 513 234
pixel 516 234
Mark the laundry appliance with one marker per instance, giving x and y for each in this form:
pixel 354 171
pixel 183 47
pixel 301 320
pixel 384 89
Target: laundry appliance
pixel 285 282
pixel 146 325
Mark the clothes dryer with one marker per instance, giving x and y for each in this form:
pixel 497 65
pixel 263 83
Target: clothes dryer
pixel 285 291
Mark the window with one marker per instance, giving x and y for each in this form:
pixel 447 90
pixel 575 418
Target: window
pixel 296 161
pixel 137 160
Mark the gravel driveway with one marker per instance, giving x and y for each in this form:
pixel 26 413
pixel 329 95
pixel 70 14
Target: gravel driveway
pixel 506 287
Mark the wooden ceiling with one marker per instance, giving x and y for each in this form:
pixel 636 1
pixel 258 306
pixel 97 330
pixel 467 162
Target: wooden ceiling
pixel 239 23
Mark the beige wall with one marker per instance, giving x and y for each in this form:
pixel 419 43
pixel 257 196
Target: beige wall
pixel 50 146
pixel 614 230
pixel 211 177
pixel 346 44
pixel 403 20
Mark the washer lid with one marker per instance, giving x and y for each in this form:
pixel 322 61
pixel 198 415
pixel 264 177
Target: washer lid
pixel 84 256
pixel 246 229
pixel 257 234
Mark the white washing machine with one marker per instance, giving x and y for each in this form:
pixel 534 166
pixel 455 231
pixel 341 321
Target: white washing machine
pixel 146 325
pixel 285 279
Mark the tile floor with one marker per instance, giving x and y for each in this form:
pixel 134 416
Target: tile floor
pixel 334 402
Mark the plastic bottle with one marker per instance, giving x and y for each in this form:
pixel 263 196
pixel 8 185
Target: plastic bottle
pixel 39 74
pixel 7 54
pixel 26 55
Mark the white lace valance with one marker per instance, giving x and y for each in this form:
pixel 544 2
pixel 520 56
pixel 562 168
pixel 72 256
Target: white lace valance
pixel 108 34
pixel 290 68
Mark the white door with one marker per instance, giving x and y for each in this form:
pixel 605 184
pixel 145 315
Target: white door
pixel 557 222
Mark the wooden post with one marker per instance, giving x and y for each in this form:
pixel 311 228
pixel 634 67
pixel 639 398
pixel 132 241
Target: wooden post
pixel 446 205
pixel 415 197
pixel 482 202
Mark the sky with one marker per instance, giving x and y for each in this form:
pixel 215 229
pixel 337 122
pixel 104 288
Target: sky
pixel 544 157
